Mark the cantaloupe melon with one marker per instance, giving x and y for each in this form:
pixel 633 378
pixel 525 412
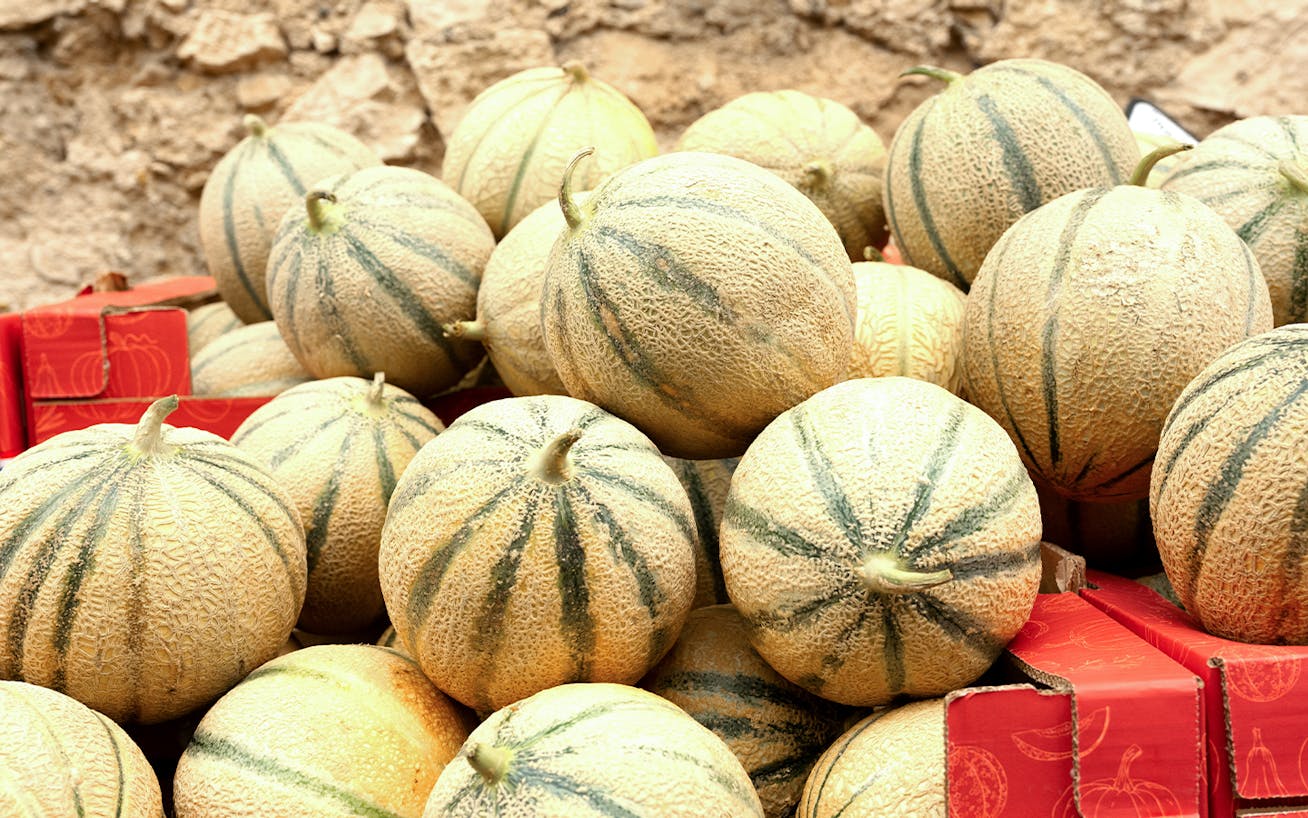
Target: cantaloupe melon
pixel 816 144
pixel 707 483
pixel 144 569
pixel 990 147
pixel 338 446
pixel 329 731
pixel 1229 496
pixel 537 541
pixel 881 539
pixel 362 277
pixel 697 296
pixel 1089 318
pixel 508 152
pixel 890 765
pixel 1254 173
pixel 204 325
pixel 59 758
pixel 775 728
pixel 249 361
pixel 250 188
pixel 593 751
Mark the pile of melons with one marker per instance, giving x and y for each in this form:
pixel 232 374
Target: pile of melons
pixel 759 499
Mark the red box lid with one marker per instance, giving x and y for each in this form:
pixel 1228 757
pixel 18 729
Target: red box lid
pixel 12 437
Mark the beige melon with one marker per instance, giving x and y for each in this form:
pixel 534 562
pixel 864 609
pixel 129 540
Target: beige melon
pixel 889 765
pixel 508 152
pixel 147 569
pixel 338 446
pixel 910 323
pixel 707 483
pixel 204 325
pixel 250 361
pixel 329 731
pixel 60 758
pixel 697 296
pixel 816 144
pixel 881 539
pixel 1089 318
pixel 990 147
pixel 251 187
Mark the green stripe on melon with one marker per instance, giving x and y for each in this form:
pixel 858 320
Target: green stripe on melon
pixel 249 361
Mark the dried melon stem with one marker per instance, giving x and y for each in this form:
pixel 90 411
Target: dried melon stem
pixel 1296 173
pixel 255 126
pixel 324 217
pixel 871 253
pixel 378 389
pixel 567 199
pixel 576 71
pixel 1152 158
pixel 491 761
pixel 148 441
pixel 943 74
pixel 883 574
pixel 818 173
pixel 465 330
pixel 551 463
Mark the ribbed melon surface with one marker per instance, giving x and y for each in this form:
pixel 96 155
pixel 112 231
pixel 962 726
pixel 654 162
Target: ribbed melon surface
pixel 205 324
pixel 249 361
pixel 909 323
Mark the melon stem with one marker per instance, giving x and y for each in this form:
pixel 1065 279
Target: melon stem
pixel 871 253
pixel 378 389
pixel 819 172
pixel 883 574
pixel 149 431
pixel 1295 173
pixel 576 71
pixel 942 74
pixel 491 761
pixel 551 463
pixel 466 330
pixel 319 206
pixel 1152 158
pixel 255 126
pixel 567 200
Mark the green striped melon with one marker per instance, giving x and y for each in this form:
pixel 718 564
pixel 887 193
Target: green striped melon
pixel 329 731
pixel 775 728
pixel 816 144
pixel 249 361
pixel 268 172
pixel 1254 173
pixel 889 765
pixel 361 280
pixel 537 541
pixel 707 483
pixel 909 323
pixel 1089 318
pixel 508 152
pixel 338 446
pixel 60 758
pixel 593 751
pixel 144 569
pixel 204 324
pixel 508 305
pixel 996 144
pixel 1148 143
pixel 881 539
pixel 1229 495
pixel 697 296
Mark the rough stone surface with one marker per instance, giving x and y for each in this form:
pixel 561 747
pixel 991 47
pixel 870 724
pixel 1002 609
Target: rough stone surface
pixel 112 112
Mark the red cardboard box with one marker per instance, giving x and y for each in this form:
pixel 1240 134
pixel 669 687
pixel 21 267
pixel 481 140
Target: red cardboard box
pixel 1102 726
pixel 12 438
pixel 1255 701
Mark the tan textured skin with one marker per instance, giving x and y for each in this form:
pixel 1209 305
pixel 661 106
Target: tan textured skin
pixel 723 322
pixel 260 189
pixel 204 325
pixel 332 731
pixel 1229 497
pixel 340 317
pixel 861 471
pixel 1096 310
pixel 338 453
pixel 775 728
pixel 889 765
pixel 182 591
pixel 1236 171
pixel 969 182
pixel 471 492
pixel 508 152
pixel 910 323
pixel 623 751
pixel 816 144
pixel 707 483
pixel 249 361
pixel 60 758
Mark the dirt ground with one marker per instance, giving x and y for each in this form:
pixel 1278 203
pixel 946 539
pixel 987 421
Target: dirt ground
pixel 112 112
